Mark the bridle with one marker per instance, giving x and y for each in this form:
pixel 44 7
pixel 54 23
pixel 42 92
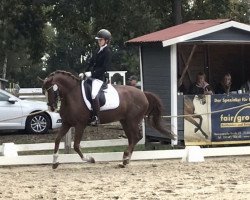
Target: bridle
pixel 57 97
pixel 54 104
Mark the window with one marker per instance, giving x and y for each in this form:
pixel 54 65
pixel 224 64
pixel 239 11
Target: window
pixel 4 97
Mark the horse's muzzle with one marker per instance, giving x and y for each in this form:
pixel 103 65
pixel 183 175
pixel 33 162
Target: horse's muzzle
pixel 52 107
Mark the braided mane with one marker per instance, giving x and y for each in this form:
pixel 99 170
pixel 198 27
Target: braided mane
pixel 64 73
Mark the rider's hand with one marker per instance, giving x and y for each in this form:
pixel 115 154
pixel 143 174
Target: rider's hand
pixel 81 75
pixel 88 74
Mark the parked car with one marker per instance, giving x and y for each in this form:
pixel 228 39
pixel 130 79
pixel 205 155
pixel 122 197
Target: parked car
pixel 16 114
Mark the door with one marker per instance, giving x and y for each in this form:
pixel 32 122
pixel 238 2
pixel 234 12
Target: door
pixel 9 112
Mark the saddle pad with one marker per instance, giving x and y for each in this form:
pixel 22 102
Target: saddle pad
pixel 91 92
pixel 111 96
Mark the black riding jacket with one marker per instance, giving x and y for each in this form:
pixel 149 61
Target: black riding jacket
pixel 100 63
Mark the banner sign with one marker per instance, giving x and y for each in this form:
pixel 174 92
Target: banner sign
pixel 229 122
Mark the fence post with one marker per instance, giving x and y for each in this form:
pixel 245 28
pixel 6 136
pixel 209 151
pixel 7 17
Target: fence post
pixel 9 149
pixel 67 143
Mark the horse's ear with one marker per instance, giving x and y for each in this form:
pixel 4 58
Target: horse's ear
pixel 39 79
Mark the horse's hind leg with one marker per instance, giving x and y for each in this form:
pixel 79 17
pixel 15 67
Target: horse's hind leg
pixel 200 124
pixel 192 121
pixel 133 134
pixel 78 137
pixel 62 131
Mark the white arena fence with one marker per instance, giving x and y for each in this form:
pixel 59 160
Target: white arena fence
pixel 9 152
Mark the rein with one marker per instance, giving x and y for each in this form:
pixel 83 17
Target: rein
pixel 57 96
pixel 49 88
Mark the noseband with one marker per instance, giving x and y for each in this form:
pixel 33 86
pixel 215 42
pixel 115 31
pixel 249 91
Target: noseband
pixel 53 104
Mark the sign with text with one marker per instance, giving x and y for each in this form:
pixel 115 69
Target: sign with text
pixel 197 123
pixel 233 124
pixel 229 122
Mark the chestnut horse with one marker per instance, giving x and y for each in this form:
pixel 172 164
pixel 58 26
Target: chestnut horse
pixel 134 106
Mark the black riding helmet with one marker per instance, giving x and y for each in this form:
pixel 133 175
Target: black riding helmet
pixel 103 33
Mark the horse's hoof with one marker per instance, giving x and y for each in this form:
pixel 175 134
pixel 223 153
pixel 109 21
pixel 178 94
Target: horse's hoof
pixel 55 165
pixel 121 165
pixel 125 162
pixel 91 160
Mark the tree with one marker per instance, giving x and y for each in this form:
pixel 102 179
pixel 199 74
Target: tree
pixel 177 11
pixel 21 25
pixel 64 30
pixel 77 22
pixel 213 9
pixel 71 21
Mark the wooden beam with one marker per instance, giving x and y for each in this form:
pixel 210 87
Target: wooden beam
pixel 187 65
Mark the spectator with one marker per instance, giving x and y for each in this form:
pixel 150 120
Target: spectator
pixel 246 86
pixel 133 80
pixel 200 86
pixel 224 87
pixel 16 89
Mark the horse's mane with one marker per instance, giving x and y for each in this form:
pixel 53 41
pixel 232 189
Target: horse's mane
pixel 64 73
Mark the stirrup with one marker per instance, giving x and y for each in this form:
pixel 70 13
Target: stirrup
pixel 95 121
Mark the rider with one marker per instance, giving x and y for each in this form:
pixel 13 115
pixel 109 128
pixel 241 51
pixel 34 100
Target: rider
pixel 99 63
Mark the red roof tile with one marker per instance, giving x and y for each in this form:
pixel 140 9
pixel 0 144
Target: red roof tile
pixel 178 30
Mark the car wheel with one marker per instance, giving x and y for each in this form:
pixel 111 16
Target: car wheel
pixel 39 123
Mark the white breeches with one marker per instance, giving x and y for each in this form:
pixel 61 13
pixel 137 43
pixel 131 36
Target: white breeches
pixel 96 85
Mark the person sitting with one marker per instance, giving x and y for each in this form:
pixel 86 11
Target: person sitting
pixel 246 86
pixel 224 87
pixel 133 81
pixel 201 86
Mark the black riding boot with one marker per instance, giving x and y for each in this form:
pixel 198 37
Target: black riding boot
pixel 96 110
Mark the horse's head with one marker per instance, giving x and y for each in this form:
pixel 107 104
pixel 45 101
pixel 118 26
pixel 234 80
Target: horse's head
pixel 201 98
pixel 66 83
pixel 51 92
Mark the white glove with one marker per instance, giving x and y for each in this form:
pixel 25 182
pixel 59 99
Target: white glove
pixel 81 75
pixel 88 74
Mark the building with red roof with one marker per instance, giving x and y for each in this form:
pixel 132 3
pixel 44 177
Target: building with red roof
pixel 173 56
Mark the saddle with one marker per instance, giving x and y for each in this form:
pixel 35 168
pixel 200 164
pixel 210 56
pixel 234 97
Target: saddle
pixel 88 90
pixel 108 95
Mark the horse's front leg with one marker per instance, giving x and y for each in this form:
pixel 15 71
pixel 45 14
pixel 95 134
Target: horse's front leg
pixel 200 124
pixel 63 130
pixel 78 137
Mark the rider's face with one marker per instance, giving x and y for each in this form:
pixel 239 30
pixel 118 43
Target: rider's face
pixel 101 42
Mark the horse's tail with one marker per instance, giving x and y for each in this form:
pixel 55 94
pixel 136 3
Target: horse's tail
pixel 154 115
